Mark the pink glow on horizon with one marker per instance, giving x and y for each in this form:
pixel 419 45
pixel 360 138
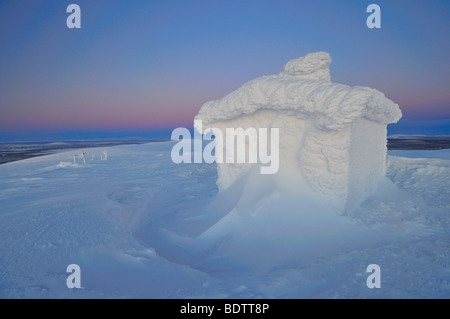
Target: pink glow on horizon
pixel 142 115
pixel 98 117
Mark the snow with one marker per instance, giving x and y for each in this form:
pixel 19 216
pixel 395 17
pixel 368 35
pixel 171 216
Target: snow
pixel 445 154
pixel 333 134
pixel 313 66
pixel 66 164
pixel 428 177
pixel 141 226
pixel 332 105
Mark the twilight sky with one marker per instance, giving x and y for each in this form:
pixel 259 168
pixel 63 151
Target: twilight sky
pixel 142 64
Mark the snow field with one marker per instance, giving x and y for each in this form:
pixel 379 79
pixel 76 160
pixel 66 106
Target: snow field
pixel 141 226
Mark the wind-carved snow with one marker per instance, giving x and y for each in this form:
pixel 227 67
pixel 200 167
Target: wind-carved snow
pixel 334 134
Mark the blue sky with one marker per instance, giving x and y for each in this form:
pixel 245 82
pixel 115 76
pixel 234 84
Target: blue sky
pixel 141 65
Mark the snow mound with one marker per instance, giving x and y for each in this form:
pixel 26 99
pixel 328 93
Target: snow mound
pixel 66 164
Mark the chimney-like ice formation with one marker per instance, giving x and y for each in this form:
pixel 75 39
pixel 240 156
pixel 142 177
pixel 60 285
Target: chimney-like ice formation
pixel 333 134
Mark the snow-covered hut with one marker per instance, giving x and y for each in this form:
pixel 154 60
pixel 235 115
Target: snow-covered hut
pixel 333 134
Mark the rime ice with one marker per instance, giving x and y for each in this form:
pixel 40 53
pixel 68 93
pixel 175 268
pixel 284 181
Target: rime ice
pixel 333 134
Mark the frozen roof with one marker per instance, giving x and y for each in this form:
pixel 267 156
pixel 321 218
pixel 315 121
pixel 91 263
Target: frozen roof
pixel 303 89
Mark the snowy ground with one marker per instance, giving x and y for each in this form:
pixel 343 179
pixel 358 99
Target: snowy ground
pixel 140 226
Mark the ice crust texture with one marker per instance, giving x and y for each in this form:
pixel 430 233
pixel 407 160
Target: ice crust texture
pixel 304 90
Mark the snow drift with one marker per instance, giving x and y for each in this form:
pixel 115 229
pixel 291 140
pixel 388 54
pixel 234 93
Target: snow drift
pixel 334 135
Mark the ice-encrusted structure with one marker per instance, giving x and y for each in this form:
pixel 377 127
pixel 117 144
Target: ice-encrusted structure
pixel 333 134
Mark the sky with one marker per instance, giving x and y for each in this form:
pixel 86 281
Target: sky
pixel 145 65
